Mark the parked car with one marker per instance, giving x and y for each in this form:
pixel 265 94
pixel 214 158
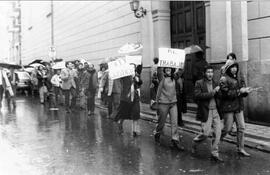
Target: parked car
pixel 24 81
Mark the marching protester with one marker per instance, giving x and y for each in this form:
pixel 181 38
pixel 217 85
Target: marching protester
pixel 232 104
pixel 129 108
pixel 92 88
pixel 42 78
pixel 79 85
pixel 208 112
pixel 68 85
pixel 84 84
pixel 13 79
pixel 57 84
pixel 181 96
pixel 167 104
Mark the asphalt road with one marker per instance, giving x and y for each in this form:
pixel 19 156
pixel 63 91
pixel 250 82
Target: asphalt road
pixel 35 140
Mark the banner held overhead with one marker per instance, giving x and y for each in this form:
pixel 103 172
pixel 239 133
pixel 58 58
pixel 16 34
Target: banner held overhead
pixel 174 58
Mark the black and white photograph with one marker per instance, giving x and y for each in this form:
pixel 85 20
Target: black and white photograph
pixel 135 87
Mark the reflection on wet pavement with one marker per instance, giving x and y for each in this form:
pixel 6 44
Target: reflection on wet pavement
pixel 37 141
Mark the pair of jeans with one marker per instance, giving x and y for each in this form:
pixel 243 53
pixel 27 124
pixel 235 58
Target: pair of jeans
pixel 212 124
pixel 113 104
pixel 229 119
pixel 43 93
pixel 164 110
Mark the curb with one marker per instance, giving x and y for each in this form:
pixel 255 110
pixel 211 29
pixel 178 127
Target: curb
pixel 251 141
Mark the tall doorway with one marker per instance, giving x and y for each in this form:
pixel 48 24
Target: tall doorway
pixel 187 28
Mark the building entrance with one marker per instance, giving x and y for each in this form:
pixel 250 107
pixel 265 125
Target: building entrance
pixel 187 28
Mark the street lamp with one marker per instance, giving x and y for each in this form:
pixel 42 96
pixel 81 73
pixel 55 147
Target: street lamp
pixel 135 7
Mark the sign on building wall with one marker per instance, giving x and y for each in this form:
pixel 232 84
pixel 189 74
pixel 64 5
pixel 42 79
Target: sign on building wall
pixel 174 58
pixel 120 68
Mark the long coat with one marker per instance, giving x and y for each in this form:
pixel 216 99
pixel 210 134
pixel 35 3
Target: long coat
pixel 203 97
pixel 129 109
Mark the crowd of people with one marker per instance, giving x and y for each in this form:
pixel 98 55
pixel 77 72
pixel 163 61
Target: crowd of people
pixel 79 83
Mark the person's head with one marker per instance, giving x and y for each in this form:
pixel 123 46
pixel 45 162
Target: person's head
pixel 69 65
pixel 233 69
pixel 231 56
pixel 40 68
pixel 48 66
pixel 91 67
pixel 169 72
pixel 209 72
pixel 80 66
pixel 86 65
pixel 155 60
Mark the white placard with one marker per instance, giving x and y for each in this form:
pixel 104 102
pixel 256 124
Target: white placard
pixel 120 68
pixel 174 58
pixel 135 59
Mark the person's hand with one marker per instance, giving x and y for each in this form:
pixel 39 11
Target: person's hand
pixel 243 90
pixel 216 89
pixel 136 78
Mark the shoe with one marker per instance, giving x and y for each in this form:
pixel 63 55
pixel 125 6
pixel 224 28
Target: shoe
pixel 217 159
pixel 157 138
pixel 175 144
pixel 243 153
pixel 120 128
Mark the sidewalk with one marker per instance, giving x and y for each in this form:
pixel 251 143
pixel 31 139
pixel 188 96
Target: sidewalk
pixel 256 136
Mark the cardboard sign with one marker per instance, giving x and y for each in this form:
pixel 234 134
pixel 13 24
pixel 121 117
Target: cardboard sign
pixel 120 68
pixel 135 59
pixel 173 58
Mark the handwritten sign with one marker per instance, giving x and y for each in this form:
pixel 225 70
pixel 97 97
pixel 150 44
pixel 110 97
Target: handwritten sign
pixel 174 58
pixel 135 59
pixel 120 68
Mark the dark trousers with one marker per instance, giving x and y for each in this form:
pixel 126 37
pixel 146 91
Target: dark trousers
pixel 113 104
pixel 1 94
pixel 91 101
pixel 179 109
pixel 56 94
pixel 66 93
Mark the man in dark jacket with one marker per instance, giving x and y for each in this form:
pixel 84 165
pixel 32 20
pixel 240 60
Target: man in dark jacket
pixel 208 112
pixel 92 88
pixel 232 93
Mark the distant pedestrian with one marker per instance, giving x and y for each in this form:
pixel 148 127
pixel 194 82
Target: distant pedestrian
pixel 232 104
pixel 84 84
pixel 42 78
pixel 208 112
pixel 13 79
pixel 167 104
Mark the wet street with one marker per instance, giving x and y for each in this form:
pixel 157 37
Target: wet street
pixel 37 141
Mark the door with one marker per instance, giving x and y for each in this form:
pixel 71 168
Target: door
pixel 187 28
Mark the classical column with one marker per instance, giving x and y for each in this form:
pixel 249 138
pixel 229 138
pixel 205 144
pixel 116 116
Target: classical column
pixel 218 18
pixel 162 25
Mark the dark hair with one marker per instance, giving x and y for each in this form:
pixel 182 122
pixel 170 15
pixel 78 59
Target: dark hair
pixel 199 54
pixel 156 60
pixel 208 67
pixel 231 55
pixel 139 69
pixel 67 63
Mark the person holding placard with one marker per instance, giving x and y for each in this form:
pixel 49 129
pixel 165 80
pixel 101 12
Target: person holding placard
pixel 130 102
pixel 167 104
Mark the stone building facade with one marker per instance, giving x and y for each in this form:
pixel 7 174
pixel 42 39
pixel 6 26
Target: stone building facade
pixel 94 30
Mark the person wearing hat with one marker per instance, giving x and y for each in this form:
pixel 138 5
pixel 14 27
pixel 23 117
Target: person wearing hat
pixel 232 93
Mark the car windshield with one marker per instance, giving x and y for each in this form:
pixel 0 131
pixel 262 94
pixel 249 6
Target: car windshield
pixel 23 75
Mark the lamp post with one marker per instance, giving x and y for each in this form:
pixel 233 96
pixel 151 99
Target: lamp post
pixel 135 7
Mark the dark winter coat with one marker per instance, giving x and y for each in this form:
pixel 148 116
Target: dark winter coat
pixel 180 93
pixel 231 98
pixel 203 97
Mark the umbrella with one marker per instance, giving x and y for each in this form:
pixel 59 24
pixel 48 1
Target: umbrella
pixel 59 65
pixel 58 60
pixel 130 48
pixel 9 65
pixel 36 65
pixel 193 49
pixel 36 61
pixel 29 69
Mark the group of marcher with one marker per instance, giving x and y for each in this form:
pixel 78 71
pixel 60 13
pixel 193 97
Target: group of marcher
pixel 78 81
pixel 215 100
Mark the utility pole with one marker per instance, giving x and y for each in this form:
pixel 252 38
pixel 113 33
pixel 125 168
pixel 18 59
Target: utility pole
pixel 20 33
pixel 52 51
